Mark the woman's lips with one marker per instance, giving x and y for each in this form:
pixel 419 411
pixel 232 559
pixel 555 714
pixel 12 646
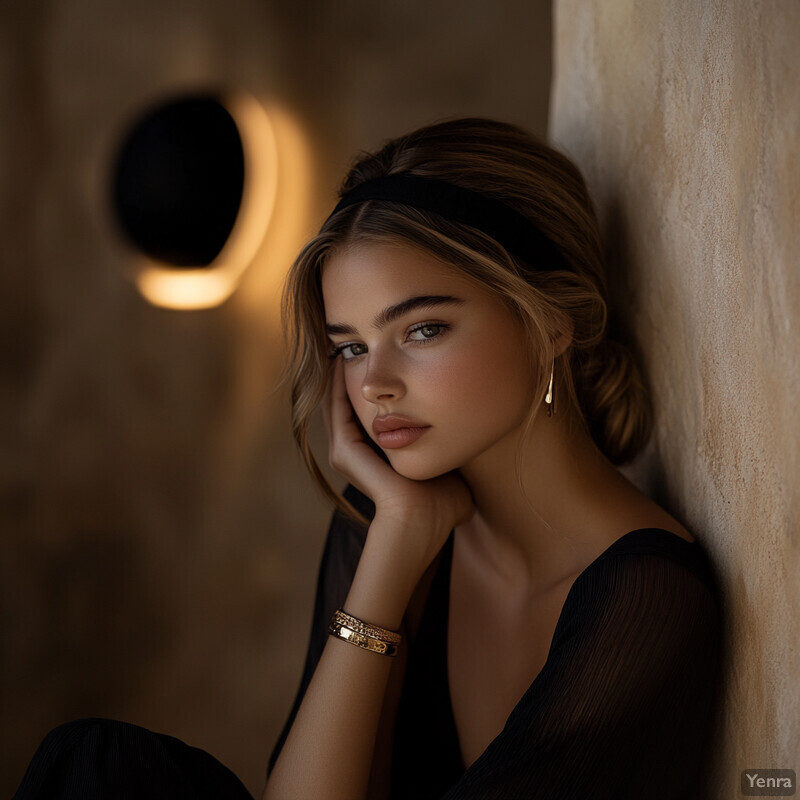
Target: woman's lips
pixel 400 437
pixel 394 431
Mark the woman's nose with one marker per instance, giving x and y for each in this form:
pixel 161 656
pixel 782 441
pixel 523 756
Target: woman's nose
pixel 382 379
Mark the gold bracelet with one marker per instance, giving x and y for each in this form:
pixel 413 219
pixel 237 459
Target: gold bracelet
pixel 362 641
pixel 365 628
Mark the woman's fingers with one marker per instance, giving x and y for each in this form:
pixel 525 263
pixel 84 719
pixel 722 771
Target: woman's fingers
pixel 348 452
pixel 326 400
pixel 341 417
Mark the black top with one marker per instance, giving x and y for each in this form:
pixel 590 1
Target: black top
pixel 623 707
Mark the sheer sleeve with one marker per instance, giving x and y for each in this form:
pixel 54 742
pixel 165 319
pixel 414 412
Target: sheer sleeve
pixel 624 706
pixel 340 559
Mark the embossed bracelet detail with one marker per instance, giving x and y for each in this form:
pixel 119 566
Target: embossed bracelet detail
pixel 363 635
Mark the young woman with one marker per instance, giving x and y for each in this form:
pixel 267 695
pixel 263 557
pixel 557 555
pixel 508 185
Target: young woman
pixel 500 613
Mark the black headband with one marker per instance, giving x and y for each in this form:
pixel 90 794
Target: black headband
pixel 502 223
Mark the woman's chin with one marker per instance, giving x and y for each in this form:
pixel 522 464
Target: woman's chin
pixel 417 472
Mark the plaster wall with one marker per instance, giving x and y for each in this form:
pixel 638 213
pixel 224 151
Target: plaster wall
pixel 684 117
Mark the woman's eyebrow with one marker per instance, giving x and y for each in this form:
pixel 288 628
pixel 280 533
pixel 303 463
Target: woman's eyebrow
pixel 391 313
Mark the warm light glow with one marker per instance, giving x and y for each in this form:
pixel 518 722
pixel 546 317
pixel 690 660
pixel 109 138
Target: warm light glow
pixel 169 287
pixel 185 289
pixel 291 223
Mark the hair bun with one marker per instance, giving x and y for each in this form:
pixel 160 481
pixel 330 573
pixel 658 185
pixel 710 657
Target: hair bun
pixel 615 401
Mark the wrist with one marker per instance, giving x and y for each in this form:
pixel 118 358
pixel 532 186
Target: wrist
pixel 402 526
pixel 378 595
pixel 395 556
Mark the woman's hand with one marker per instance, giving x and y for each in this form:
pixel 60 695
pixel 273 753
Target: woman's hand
pixel 425 511
pixel 330 748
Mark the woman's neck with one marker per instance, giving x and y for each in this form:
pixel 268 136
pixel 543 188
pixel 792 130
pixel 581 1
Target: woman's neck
pixel 545 507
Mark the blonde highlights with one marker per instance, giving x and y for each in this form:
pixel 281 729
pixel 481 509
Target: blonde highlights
pixel 597 380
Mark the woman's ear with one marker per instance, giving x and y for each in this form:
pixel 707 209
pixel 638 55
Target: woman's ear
pixel 563 339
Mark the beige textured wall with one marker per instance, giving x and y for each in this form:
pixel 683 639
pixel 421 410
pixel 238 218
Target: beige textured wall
pixel 685 117
pixel 159 536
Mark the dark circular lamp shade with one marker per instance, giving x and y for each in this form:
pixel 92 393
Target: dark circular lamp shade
pixel 178 181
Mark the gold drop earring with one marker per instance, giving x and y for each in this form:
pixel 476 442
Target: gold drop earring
pixel 548 398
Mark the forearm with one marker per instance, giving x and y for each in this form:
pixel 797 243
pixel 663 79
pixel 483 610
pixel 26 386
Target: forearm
pixel 329 750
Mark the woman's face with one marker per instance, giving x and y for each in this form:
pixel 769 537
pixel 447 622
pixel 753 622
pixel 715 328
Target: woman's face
pixel 435 366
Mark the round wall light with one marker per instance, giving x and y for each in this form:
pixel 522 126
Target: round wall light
pixel 193 186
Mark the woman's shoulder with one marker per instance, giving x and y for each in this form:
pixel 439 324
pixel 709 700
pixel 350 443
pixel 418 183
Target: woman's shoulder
pixel 645 548
pixel 638 536
pixel 648 573
pixel 651 592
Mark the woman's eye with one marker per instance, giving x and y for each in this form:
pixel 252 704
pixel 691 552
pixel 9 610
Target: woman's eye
pixel 424 332
pixel 349 351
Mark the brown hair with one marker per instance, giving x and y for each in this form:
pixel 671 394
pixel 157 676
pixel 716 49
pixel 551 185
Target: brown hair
pixel 597 378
